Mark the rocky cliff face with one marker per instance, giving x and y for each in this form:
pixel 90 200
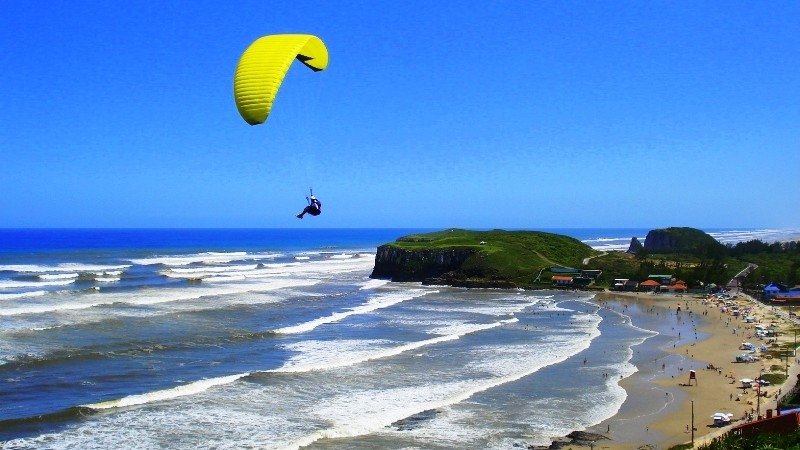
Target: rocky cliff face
pixel 418 265
pixel 682 240
pixel 635 246
pixel 660 241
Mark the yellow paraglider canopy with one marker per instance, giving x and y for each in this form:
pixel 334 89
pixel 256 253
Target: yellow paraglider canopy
pixel 264 64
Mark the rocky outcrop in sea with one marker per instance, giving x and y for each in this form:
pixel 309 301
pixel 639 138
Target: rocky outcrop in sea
pixel 635 246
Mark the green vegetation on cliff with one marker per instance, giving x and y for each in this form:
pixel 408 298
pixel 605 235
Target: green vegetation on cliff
pixel 510 256
pixel 684 240
pixel 694 256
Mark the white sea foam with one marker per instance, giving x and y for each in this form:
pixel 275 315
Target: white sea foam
pixel 370 411
pixel 57 276
pixel 17 295
pixel 152 296
pixel 206 257
pixel 65 267
pixel 322 267
pixel 324 355
pixel 375 303
pixel 344 256
pixel 211 269
pixel 302 258
pixel 499 309
pixel 106 279
pixel 361 413
pixel 167 394
pixel 315 355
pixel 12 284
pixel 461 329
pixel 372 284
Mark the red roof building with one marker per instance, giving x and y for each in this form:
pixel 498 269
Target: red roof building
pixel 561 280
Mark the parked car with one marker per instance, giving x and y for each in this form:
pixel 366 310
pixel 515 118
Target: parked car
pixel 746 358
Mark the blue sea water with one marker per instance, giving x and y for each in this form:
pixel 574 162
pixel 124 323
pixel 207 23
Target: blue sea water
pixel 279 339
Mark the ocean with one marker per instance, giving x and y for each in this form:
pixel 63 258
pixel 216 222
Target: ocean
pixel 279 339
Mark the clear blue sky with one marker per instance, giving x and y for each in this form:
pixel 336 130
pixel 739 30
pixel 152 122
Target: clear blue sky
pixel 431 114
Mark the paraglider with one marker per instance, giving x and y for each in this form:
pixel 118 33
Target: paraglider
pixel 264 64
pixel 259 75
pixel 314 207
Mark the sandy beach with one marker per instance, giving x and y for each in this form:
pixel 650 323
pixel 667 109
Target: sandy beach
pixel 701 337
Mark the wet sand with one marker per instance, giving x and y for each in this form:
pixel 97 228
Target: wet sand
pixel 658 409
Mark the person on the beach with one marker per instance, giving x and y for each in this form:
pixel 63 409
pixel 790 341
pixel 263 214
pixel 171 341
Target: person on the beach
pixel 314 207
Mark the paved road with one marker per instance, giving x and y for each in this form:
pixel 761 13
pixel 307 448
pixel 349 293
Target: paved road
pixel 586 260
pixel 736 281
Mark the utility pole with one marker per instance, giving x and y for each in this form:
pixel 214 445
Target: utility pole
pixel 692 423
pixel 786 370
pixel 758 395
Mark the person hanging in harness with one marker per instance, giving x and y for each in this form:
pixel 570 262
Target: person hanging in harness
pixel 314 207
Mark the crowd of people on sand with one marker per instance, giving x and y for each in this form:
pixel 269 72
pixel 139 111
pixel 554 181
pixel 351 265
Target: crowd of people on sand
pixel 748 320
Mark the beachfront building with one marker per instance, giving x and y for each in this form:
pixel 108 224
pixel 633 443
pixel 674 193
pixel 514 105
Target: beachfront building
pixel 792 297
pixel 649 285
pixel 564 270
pixel 665 280
pixel 561 280
pixel 678 286
pixel 582 281
pixel 593 274
pixel 772 290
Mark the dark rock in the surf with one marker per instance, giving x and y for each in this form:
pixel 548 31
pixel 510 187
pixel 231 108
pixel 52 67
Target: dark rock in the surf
pixel 635 246
pixel 415 421
pixel 579 438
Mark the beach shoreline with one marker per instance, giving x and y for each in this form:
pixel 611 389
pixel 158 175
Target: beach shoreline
pixel 701 337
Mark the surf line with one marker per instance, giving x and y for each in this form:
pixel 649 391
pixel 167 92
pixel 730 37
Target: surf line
pixel 203 385
pixel 291 367
pixel 374 304
pixel 346 431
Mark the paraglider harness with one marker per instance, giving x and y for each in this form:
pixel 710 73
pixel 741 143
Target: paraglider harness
pixel 314 206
